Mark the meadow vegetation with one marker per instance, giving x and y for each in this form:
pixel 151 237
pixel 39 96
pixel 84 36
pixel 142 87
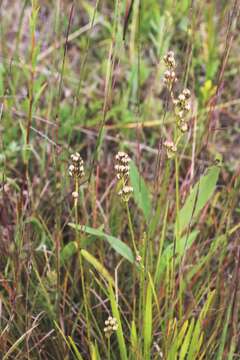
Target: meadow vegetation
pixel 119 179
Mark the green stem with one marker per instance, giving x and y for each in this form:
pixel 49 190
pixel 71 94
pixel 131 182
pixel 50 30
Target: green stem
pixel 78 240
pixel 131 229
pixel 109 354
pixel 177 230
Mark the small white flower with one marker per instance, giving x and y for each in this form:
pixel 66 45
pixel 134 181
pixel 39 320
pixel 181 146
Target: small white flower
pixel 75 194
pixel 181 97
pixel 122 166
pixel 111 325
pixel 125 193
pixel 186 93
pixel 170 147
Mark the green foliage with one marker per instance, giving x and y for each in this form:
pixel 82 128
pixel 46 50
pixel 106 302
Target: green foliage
pixel 165 263
pixel 198 197
pixel 140 191
pixel 119 246
pixel 147 324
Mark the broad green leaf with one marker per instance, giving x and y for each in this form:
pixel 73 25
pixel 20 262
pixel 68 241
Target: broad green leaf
pixel 116 243
pixel 140 191
pixel 198 197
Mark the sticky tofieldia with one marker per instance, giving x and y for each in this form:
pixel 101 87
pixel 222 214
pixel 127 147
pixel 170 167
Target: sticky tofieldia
pixel 181 104
pixel 76 171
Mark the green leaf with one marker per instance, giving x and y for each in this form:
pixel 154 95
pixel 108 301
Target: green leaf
pixel 186 342
pixel 116 314
pixel 223 340
pixel 68 251
pixel 197 336
pixel 198 197
pixel 94 352
pixel 98 266
pixel 116 243
pixel 76 351
pixel 140 191
pixel 178 341
pixel 184 243
pixel 134 338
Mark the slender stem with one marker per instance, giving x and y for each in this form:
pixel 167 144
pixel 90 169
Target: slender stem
pixel 131 229
pixel 109 346
pixel 78 240
pixel 177 229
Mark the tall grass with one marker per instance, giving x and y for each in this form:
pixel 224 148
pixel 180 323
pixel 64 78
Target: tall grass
pixel 86 273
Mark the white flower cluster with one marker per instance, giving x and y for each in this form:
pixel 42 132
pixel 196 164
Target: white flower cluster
pixel 182 107
pixel 122 172
pixel 122 165
pixel 170 75
pixel 111 325
pixel 170 147
pixel 76 168
pixel 181 103
pixel 125 193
